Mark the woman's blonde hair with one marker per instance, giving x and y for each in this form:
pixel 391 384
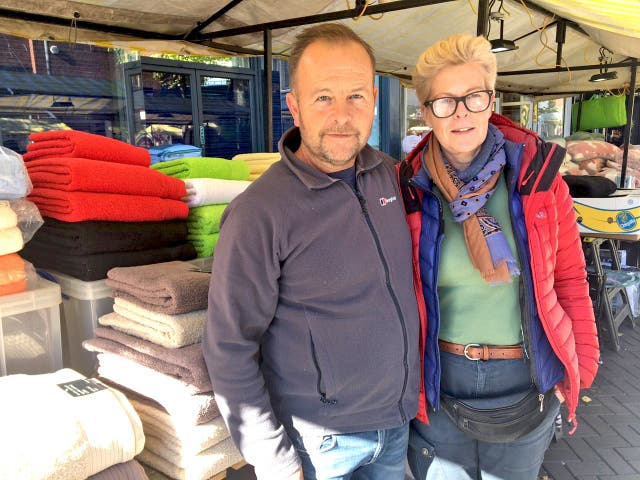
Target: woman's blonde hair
pixel 456 50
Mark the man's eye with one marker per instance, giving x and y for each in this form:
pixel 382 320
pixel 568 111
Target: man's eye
pixel 323 98
pixel 357 96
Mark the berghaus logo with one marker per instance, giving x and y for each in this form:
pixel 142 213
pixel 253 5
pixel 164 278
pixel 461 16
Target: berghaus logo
pixel 385 201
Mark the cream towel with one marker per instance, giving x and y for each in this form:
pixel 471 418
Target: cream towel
pixel 211 191
pixel 183 439
pixel 10 240
pixel 177 398
pixel 54 435
pixel 8 217
pixel 171 331
pixel 200 467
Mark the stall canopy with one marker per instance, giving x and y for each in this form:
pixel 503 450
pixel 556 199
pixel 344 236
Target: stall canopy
pixel 559 41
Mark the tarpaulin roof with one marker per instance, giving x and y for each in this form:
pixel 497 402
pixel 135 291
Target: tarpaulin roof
pixel 399 30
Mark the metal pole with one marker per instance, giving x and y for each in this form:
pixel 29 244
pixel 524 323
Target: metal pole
pixel 482 27
pixel 627 127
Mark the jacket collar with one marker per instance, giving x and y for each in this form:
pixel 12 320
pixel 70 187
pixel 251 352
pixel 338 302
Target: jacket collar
pixel 367 159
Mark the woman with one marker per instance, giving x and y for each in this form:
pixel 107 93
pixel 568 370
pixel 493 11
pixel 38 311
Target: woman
pixel 500 276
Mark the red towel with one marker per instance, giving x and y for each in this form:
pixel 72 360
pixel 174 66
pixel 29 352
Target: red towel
pixel 73 143
pixel 81 174
pixel 81 206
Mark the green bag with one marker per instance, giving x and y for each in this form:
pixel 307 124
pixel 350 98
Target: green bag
pixel 600 112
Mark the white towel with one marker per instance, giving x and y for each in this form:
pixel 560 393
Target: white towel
pixel 10 240
pixel 200 467
pixel 8 217
pixel 50 434
pixel 174 396
pixel 212 191
pixel 183 439
pixel 171 331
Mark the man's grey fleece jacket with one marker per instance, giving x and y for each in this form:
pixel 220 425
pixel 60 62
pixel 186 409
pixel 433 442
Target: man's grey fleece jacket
pixel 312 323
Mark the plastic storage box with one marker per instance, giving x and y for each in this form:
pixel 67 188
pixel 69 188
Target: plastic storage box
pixel 82 304
pixel 30 340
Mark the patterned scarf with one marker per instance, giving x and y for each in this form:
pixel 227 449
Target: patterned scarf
pixel 486 244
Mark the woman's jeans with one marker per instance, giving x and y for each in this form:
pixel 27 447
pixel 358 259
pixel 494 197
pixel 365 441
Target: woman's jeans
pixel 374 455
pixel 440 451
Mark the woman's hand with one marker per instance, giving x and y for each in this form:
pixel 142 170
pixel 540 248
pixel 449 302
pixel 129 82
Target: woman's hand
pixel 558 394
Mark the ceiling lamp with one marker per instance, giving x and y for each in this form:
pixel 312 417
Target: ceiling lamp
pixel 604 59
pixel 500 44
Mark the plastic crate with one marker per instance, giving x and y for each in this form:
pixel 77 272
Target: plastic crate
pixel 82 304
pixel 30 340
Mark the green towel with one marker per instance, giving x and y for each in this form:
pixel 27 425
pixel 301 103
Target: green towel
pixel 205 219
pixel 204 244
pixel 204 167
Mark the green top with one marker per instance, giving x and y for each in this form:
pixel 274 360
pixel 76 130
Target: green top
pixel 471 310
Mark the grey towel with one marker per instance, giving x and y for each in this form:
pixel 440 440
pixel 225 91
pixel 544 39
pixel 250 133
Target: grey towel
pixel 170 287
pixel 185 363
pixel 130 470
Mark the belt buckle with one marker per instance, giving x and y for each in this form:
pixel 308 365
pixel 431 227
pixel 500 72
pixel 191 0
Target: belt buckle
pixel 466 355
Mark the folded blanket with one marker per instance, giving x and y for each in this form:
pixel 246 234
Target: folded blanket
pixel 166 153
pixel 13 278
pixel 199 467
pixel 170 331
pixel 170 287
pixel 209 191
pixel 184 440
pixel 79 206
pixel 10 240
pixel 205 219
pixel 73 143
pixel 130 470
pixel 81 174
pixel 75 436
pixel 185 363
pixel 205 244
pixel 8 217
pixel 174 397
pixel 204 167
pixel 14 180
pixel 95 266
pixel 258 162
pixel 83 238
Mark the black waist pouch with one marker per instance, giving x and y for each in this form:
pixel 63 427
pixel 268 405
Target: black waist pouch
pixel 499 425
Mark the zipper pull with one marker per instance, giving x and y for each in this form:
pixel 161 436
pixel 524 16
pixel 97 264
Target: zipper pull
pixel 541 400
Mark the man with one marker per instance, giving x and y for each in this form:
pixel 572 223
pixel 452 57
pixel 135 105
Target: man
pixel 410 141
pixel 311 340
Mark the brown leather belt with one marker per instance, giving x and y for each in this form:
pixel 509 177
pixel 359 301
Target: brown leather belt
pixel 474 351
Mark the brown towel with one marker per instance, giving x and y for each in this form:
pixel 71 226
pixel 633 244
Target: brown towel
pixel 186 363
pixel 170 287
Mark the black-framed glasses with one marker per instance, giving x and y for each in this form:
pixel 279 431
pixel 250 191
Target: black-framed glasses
pixel 475 102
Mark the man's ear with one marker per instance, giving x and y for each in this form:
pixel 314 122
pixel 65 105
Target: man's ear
pixel 292 103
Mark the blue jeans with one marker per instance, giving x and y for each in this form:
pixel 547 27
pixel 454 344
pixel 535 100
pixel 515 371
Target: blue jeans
pixel 439 451
pixel 373 455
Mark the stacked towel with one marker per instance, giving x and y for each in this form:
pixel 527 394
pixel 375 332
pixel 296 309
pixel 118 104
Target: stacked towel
pixel 185 363
pixel 13 277
pixel 205 219
pixel 170 287
pixel 166 153
pixel 258 162
pixel 205 244
pixel 91 237
pixel 209 191
pixel 73 143
pixel 204 167
pixel 80 206
pixel 80 174
pixel 84 429
pixel 90 267
pixel 130 470
pixel 10 235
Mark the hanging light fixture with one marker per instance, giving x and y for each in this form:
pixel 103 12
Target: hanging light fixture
pixel 604 59
pixel 500 44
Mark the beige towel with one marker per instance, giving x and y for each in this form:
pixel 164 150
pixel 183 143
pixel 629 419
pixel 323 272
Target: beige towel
pixel 171 331
pixel 130 470
pixel 200 467
pixel 183 439
pixel 169 287
pixel 176 397
pixel 54 435
pixel 10 240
